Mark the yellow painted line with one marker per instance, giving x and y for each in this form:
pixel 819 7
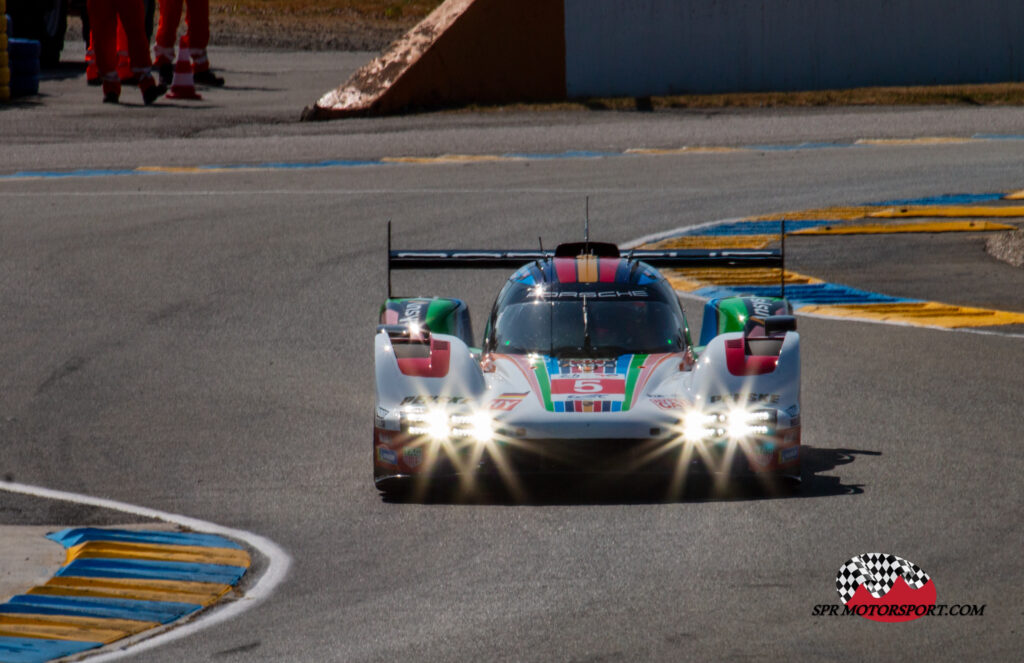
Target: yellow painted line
pixel 926 140
pixel 452 158
pixel 715 242
pixel 153 551
pixel 951 211
pixel 692 279
pixel 843 213
pixel 926 314
pixel 125 626
pixel 655 151
pixel 201 593
pixel 886 228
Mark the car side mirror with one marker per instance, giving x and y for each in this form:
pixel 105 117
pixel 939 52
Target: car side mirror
pixel 775 325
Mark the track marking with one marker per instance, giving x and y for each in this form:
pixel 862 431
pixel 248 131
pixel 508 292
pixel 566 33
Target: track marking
pixel 891 228
pixel 897 315
pixel 278 564
pixel 506 157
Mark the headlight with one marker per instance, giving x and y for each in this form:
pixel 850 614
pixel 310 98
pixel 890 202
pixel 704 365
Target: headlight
pixel 478 426
pixel 737 423
pixel 440 425
pixel 742 423
pixel 699 425
pixel 432 423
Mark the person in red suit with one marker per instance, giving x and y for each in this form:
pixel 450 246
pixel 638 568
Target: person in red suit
pixel 197 18
pixel 103 19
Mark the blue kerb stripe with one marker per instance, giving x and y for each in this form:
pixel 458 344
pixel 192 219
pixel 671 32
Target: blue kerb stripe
pixel 37 650
pixel 152 570
pixel 948 199
pixel 72 173
pixel 755 227
pixel 89 606
pixel 998 136
pixel 803 295
pixel 72 537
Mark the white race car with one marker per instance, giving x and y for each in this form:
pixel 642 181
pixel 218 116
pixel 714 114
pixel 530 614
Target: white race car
pixel 586 365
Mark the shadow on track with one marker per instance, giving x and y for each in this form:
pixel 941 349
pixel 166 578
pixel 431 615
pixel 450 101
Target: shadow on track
pixel 581 489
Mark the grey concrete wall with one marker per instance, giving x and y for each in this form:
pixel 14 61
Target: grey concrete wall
pixel 642 47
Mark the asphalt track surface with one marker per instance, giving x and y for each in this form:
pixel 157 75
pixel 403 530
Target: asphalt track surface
pixel 201 344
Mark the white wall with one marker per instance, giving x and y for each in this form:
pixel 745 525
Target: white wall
pixel 642 47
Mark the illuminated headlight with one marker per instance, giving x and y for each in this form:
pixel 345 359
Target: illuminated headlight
pixel 699 425
pixel 479 427
pixel 736 424
pixel 440 425
pixel 741 423
pixel 432 423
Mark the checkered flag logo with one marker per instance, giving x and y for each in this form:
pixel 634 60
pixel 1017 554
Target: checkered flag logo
pixel 877 571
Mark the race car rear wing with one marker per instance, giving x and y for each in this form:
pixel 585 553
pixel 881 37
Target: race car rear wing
pixel 515 258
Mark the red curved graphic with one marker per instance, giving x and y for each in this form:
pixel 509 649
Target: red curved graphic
pixel 898 601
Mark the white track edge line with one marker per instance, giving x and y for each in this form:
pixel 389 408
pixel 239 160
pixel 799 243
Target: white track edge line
pixel 278 564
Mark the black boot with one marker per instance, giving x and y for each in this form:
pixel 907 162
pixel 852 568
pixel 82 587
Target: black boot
pixel 208 78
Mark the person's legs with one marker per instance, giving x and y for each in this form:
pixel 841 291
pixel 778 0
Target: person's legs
pixel 103 21
pixel 166 37
pixel 197 17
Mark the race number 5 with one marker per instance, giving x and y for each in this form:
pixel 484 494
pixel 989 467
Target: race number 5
pixel 587 386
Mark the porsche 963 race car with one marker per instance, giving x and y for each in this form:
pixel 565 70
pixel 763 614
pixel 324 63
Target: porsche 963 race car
pixel 586 365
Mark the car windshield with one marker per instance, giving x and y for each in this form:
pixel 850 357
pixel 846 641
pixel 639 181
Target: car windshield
pixel 588 326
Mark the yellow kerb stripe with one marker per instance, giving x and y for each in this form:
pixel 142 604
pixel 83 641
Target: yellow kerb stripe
pixel 200 593
pixel 153 551
pixel 887 228
pixel 820 214
pixel 692 279
pixel 715 242
pixel 87 629
pixel 924 314
pixel 949 211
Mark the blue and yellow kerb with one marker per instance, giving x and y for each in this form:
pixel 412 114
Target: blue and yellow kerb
pixel 115 584
pixel 811 296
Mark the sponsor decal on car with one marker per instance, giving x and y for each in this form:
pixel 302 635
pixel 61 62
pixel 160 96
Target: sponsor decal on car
pixel 379 417
pixel 508 402
pixel 415 310
pixel 668 403
pixel 789 454
pixel 433 400
pixel 387 456
pixel 412 456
